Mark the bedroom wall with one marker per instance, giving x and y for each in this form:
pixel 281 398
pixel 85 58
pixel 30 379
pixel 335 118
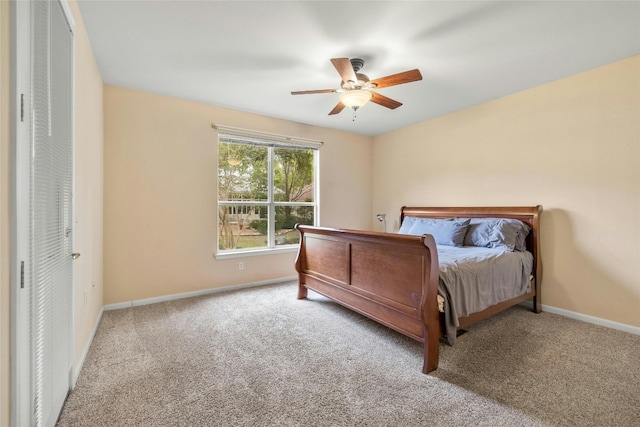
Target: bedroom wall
pixel 89 190
pixel 160 194
pixel 573 146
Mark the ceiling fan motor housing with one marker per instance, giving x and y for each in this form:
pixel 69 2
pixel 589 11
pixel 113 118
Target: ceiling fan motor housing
pixel 362 83
pixel 357 64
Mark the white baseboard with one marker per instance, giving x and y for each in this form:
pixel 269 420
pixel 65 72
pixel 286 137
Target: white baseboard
pixel 548 308
pixel 77 368
pixel 163 298
pixel 586 318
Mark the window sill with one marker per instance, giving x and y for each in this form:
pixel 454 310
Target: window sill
pixel 257 252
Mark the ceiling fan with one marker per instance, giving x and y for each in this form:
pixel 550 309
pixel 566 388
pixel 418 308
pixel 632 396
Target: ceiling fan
pixel 356 89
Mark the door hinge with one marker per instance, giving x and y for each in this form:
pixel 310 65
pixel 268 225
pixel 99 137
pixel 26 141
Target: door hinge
pixel 21 274
pixel 22 107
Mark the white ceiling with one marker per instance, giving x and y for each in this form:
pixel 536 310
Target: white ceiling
pixel 250 55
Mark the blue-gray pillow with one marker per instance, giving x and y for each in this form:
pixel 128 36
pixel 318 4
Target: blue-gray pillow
pixel 407 223
pixel 448 232
pixel 500 233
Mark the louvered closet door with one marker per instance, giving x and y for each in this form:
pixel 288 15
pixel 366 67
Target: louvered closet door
pixel 51 183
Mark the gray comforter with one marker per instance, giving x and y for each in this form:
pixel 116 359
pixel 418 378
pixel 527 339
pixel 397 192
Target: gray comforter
pixel 474 278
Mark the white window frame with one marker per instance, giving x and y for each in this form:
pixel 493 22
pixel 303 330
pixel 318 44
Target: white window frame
pixel 270 141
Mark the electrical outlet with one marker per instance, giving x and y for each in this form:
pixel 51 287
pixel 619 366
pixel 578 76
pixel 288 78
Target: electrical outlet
pixel 241 266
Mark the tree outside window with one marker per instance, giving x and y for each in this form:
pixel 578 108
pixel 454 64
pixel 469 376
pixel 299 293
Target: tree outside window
pixel 263 191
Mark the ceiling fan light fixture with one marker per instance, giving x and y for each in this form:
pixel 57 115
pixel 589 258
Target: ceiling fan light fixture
pixel 356 88
pixel 355 99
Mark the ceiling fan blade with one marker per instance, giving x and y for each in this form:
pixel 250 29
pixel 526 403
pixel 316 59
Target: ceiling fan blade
pixel 307 92
pixel 338 108
pixel 384 101
pixel 398 79
pixel 345 69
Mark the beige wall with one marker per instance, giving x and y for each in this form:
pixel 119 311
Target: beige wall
pixel 88 197
pixel 89 183
pixel 5 332
pixel 160 194
pixel 573 146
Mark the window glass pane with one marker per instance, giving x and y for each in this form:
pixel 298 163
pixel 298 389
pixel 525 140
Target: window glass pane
pixel 245 201
pixel 242 172
pixel 293 175
pixel 242 227
pixel 286 219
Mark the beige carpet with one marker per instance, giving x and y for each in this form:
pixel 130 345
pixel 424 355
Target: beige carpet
pixel 259 357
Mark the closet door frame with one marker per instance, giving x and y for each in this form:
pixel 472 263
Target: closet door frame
pixel 22 389
pixel 21 384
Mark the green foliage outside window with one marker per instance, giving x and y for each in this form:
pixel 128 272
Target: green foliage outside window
pixel 244 196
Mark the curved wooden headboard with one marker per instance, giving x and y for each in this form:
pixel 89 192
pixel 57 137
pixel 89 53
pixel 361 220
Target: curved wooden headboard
pixel 527 214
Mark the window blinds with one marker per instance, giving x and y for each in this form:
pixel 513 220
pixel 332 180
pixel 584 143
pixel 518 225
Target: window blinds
pixel 235 135
pixel 51 189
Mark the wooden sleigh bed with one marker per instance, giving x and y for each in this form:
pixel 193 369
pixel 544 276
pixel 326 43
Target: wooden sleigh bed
pixel 393 278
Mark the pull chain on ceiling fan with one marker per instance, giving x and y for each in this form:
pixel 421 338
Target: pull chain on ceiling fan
pixel 356 89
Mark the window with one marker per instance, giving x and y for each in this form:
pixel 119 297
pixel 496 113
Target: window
pixel 266 184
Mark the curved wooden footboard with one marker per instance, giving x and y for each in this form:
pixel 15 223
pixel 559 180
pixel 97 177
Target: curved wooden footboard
pixel 390 278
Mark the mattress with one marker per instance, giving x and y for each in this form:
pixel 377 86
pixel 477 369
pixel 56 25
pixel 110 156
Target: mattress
pixel 474 278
